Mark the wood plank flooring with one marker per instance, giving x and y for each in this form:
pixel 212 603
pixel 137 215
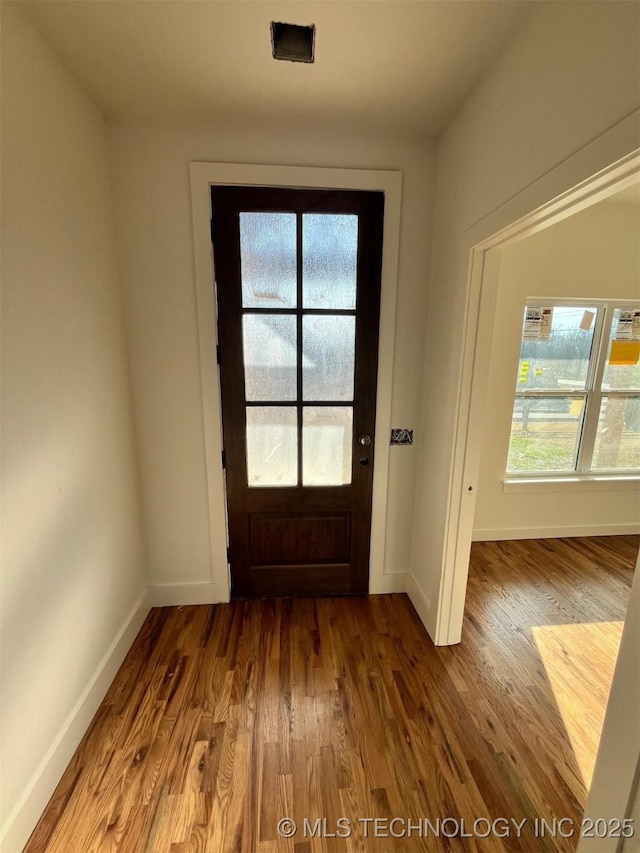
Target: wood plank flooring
pixel 225 719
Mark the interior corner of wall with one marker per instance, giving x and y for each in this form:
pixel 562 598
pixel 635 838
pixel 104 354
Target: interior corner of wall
pixel 422 604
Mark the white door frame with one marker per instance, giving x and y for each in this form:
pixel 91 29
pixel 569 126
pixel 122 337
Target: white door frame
pixel 614 775
pixel 601 169
pixel 203 176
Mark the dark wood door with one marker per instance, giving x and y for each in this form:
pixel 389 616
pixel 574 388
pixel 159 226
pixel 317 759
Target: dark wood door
pixel 298 290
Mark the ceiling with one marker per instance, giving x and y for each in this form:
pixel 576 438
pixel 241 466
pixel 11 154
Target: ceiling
pixel 404 65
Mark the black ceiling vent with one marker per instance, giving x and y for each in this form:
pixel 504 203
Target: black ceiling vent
pixel 293 42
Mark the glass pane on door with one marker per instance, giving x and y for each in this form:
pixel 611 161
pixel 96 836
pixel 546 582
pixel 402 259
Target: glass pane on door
pixel 327 441
pixel 272 446
pixel 270 357
pixel 328 357
pixel 268 260
pixel 329 260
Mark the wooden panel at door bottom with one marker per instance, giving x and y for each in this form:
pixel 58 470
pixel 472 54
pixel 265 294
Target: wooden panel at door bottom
pixel 301 537
pixel 303 579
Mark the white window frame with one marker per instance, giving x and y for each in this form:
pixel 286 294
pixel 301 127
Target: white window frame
pixel 592 395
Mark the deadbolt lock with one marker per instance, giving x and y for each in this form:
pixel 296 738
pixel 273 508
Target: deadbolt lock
pixel 365 440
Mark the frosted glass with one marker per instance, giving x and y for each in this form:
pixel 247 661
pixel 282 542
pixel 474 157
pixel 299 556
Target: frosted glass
pixel 618 439
pixel 327 441
pixel 272 446
pixel 328 357
pixel 269 342
pixel 329 260
pixel 268 260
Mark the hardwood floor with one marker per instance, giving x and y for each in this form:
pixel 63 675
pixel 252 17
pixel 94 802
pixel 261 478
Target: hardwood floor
pixel 224 719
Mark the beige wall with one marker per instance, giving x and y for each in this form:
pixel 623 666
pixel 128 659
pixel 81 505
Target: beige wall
pixel 567 77
pixel 592 255
pixel 632 845
pixel 150 167
pixel 73 565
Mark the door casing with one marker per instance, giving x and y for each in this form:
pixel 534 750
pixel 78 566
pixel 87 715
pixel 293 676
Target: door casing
pixel 205 175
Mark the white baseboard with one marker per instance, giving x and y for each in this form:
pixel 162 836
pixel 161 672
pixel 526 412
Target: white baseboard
pixel 421 603
pixel 176 594
pixel 392 582
pixel 24 817
pixel 554 532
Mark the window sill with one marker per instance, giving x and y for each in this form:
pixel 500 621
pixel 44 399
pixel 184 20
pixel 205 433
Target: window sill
pixel 577 483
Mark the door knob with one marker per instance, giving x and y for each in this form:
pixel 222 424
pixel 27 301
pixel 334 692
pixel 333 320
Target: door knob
pixel 365 440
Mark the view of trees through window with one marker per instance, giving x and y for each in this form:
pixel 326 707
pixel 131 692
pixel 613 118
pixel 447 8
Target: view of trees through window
pixel 577 407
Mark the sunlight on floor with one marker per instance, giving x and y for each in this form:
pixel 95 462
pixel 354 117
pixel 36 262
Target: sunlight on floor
pixel 575 656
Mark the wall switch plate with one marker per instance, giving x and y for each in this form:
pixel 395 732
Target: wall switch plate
pixel 401 436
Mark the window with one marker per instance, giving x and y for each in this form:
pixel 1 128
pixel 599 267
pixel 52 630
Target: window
pixel 577 401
